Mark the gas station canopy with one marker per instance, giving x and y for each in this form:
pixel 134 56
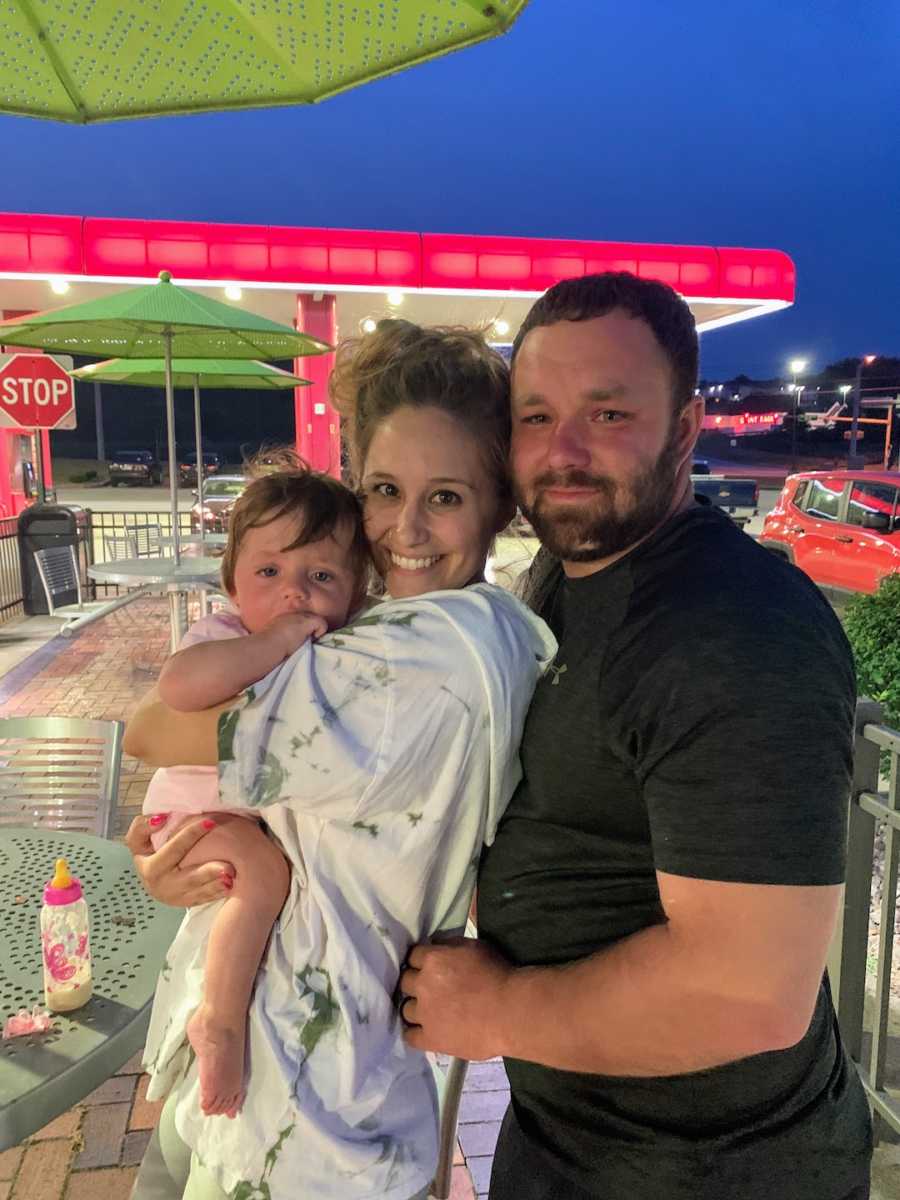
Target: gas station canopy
pixel 429 278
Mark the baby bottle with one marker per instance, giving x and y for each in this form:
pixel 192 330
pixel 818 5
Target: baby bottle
pixel 65 943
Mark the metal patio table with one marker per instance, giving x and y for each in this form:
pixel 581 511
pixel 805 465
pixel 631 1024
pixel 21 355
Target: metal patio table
pixel 176 578
pixel 215 540
pixel 44 1074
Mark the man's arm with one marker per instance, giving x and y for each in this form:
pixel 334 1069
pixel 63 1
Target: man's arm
pixel 734 972
pixel 748 863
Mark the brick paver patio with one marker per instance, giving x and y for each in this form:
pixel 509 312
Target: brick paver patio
pixel 92 1151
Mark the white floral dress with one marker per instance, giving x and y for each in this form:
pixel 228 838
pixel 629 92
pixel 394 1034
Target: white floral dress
pixel 381 759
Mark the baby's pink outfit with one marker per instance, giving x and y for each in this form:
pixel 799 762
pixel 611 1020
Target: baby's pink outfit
pixel 186 792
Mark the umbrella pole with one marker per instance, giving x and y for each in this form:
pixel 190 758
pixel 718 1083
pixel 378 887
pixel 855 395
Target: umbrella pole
pixel 41 477
pixel 176 621
pixel 198 435
pixel 173 466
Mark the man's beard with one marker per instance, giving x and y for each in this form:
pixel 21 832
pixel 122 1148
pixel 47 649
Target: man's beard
pixel 600 527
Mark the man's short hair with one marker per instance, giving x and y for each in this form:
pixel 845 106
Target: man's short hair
pixel 669 317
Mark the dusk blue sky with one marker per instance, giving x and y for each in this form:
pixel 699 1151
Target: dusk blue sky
pixel 764 124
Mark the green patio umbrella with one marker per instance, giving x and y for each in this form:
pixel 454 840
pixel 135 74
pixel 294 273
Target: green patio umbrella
pixel 194 373
pixel 84 62
pixel 159 320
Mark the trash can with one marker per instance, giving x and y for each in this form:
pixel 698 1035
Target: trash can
pixel 43 525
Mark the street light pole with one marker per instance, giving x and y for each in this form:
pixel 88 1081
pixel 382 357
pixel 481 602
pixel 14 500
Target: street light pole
pixel 866 360
pixel 798 390
pixel 797 367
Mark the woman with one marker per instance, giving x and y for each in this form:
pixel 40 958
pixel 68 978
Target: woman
pixel 381 760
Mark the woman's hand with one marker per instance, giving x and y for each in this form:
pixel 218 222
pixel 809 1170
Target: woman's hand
pixel 162 876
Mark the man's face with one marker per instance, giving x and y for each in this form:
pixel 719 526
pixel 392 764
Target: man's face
pixel 599 457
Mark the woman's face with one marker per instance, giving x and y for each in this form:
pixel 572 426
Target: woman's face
pixel 431 506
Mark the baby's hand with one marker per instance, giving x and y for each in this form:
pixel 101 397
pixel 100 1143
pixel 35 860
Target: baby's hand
pixel 291 630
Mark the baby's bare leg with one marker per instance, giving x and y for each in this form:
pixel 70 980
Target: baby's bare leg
pixel 217 1030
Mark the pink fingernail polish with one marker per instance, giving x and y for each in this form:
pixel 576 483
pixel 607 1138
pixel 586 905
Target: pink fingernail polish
pixel 209 824
pixel 158 819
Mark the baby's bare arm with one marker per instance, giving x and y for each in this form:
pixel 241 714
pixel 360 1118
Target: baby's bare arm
pixel 210 673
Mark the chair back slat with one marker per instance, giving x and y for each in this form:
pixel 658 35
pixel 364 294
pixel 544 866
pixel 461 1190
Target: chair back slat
pixel 54 791
pixel 60 772
pixel 148 539
pixel 117 546
pixel 49 768
pixel 57 567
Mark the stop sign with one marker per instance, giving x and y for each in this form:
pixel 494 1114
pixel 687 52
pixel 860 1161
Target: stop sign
pixel 35 393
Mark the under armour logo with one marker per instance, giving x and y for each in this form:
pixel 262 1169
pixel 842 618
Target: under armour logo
pixel 557 671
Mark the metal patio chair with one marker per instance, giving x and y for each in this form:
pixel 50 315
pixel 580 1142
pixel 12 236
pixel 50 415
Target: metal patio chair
pixel 58 570
pixel 117 546
pixel 134 541
pixel 450 1097
pixel 148 540
pixel 60 773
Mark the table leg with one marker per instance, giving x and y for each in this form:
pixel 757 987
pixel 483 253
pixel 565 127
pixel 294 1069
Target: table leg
pixel 177 621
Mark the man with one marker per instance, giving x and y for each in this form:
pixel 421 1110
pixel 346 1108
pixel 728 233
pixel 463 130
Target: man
pixel 656 909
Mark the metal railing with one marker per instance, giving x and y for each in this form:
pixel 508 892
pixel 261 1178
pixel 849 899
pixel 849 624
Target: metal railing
pixel 138 527
pixel 875 746
pixel 10 570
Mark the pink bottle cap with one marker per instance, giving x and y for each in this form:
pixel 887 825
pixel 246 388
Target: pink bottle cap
pixel 63 888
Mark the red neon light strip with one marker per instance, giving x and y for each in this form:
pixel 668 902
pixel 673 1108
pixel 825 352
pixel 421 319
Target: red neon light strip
pixel 97 246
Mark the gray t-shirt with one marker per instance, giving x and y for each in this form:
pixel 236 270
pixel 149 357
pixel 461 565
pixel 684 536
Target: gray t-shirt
pixel 698 720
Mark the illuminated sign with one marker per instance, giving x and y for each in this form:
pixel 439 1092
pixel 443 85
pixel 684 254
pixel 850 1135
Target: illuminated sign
pixel 735 424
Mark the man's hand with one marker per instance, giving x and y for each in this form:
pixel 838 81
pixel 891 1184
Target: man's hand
pixel 454 998
pixel 164 878
pixel 290 630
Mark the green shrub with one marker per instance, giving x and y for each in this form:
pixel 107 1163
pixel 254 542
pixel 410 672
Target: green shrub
pixel 872 624
pixel 83 477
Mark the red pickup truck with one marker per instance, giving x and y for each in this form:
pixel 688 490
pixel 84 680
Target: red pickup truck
pixel 841 527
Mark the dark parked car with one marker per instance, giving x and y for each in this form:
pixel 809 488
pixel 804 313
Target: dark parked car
pixel 739 498
pixel 134 467
pixel 219 496
pixel 187 467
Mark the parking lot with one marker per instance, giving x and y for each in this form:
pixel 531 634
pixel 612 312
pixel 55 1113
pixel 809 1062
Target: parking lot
pixel 156 499
pixel 103 498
